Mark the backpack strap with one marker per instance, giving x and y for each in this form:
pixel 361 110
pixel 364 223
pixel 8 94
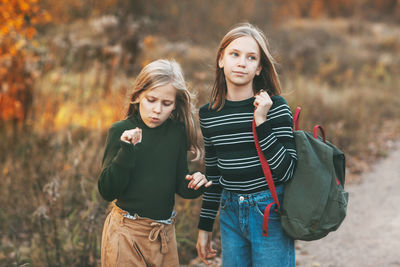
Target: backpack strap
pixel 296 119
pixel 270 182
pixel 315 130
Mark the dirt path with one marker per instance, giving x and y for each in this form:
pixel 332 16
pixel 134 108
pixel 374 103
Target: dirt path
pixel 370 234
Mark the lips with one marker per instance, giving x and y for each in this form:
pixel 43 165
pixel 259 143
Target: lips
pixel 238 72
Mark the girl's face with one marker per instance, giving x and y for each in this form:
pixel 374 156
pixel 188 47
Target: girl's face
pixel 241 62
pixel 156 105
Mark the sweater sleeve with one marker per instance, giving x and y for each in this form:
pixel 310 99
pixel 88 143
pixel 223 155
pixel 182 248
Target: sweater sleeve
pixel 118 161
pixel 277 141
pixel 182 167
pixel 212 196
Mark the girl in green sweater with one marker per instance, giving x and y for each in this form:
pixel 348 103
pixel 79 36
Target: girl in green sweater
pixel 144 165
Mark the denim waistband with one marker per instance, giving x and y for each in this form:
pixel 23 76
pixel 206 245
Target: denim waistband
pixel 253 197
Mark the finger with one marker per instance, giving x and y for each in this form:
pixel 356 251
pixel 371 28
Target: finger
pixel 211 255
pixel 255 105
pixel 208 184
pixel 200 183
pixel 259 92
pixel 124 137
pixel 262 92
pixel 204 258
pixel 196 183
pixel 261 98
pixel 201 251
pixel 190 185
pixel 189 177
pixel 195 178
pixel 139 134
pixel 135 141
pixel 265 96
pixel 210 249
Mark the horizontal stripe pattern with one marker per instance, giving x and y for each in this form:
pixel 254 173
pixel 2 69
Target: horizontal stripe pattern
pixel 231 160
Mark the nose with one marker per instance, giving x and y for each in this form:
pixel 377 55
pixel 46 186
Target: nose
pixel 157 108
pixel 242 61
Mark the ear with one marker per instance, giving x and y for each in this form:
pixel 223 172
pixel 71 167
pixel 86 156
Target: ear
pixel 221 62
pixel 136 101
pixel 258 71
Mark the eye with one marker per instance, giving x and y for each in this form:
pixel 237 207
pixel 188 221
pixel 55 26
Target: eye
pixel 151 99
pixel 234 54
pixel 168 103
pixel 252 58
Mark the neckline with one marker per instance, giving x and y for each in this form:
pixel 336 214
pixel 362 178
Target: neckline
pixel 239 102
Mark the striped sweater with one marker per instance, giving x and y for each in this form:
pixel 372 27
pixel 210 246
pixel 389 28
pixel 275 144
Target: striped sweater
pixel 231 159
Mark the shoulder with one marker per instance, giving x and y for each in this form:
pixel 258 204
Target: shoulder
pixel 120 125
pixel 206 111
pixel 205 108
pixel 117 128
pixel 279 100
pixel 279 103
pixel 280 109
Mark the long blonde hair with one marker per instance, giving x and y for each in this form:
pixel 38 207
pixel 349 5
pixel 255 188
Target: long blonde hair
pixel 268 78
pixel 162 72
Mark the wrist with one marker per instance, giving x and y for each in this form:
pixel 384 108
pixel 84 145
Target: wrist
pixel 260 120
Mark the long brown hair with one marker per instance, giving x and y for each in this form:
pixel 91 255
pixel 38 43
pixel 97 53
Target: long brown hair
pixel 268 79
pixel 162 72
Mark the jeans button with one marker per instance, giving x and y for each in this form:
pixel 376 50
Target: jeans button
pixel 241 198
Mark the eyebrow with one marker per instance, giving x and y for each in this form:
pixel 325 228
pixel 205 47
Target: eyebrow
pixel 165 100
pixel 237 50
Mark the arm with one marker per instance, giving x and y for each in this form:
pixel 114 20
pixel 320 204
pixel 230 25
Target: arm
pixel 212 196
pixel 204 247
pixel 277 141
pixel 189 186
pixel 118 161
pixel 210 205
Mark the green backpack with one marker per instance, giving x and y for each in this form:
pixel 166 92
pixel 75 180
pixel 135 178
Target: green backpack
pixel 314 202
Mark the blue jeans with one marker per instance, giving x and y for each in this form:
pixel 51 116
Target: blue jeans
pixel 241 218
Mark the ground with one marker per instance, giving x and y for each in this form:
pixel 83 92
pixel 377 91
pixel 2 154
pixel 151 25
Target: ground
pixel 370 234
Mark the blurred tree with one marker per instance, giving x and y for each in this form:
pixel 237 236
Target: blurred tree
pixel 17 29
pixel 205 20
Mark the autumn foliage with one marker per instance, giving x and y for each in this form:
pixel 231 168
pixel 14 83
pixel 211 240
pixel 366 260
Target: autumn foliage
pixel 18 19
pixel 66 78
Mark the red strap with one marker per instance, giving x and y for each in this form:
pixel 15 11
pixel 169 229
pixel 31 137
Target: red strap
pixel 270 181
pixel 266 218
pixel 315 130
pixel 296 119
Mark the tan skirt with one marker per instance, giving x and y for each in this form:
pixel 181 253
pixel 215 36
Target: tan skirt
pixel 139 242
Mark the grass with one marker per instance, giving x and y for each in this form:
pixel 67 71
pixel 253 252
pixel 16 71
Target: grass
pixel 50 211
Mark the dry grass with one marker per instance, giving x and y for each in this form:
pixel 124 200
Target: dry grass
pixel 50 211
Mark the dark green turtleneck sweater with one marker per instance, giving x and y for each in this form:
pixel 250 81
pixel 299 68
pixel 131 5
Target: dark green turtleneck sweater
pixel 144 178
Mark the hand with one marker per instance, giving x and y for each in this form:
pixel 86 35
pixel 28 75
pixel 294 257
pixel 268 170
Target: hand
pixel 197 180
pixel 133 136
pixel 203 246
pixel 262 103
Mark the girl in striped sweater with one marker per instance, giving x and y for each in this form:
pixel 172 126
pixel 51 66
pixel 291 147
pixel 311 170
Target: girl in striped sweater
pixel 246 84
